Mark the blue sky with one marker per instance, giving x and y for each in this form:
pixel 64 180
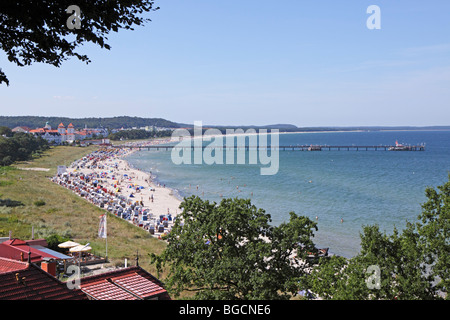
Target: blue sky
pixel 242 62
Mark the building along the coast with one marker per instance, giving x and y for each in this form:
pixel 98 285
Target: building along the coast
pixel 23 129
pixel 63 134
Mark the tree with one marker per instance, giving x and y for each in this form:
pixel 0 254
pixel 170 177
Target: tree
pixel 325 279
pixel 230 251
pixel 54 240
pixel 21 146
pixel 387 267
pixel 434 231
pixel 36 30
pixel 413 265
pixel 5 131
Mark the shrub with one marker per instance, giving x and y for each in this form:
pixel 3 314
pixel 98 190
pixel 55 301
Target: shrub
pixel 10 203
pixel 39 203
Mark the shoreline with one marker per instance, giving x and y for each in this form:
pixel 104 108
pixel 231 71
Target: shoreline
pixel 106 179
pixel 116 180
pixel 154 178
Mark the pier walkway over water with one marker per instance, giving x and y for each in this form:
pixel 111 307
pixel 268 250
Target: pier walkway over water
pixel 285 148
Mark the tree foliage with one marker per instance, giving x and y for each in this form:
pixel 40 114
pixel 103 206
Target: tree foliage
pixel 21 146
pixel 413 265
pixel 230 251
pixel 434 234
pixel 107 122
pixel 36 30
pixel 54 240
pixel 139 134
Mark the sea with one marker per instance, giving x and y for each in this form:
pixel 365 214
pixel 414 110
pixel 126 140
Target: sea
pixel 342 191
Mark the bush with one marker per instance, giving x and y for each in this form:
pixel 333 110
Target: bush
pixel 6 161
pixel 10 203
pixel 54 240
pixel 39 203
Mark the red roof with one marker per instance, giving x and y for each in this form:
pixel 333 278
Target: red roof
pixel 33 283
pixel 105 290
pixel 15 242
pixel 133 283
pixel 18 253
pixel 37 242
pixel 18 250
pixel 21 127
pixel 70 126
pixel 139 285
pixel 42 130
pixel 7 265
pixel 61 125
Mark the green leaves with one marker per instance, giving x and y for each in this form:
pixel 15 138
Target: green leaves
pixel 230 251
pixel 413 265
pixel 36 31
pixel 20 147
pixel 434 234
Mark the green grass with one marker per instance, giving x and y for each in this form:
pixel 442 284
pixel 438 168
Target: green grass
pixel 62 212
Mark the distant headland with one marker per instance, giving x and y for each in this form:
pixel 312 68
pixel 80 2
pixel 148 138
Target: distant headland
pixel 128 122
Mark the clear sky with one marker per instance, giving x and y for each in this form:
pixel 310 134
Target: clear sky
pixel 242 62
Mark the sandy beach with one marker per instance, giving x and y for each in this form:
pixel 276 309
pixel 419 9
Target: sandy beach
pixel 108 181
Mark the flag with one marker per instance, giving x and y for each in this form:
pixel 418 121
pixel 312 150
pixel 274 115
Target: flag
pixel 102 227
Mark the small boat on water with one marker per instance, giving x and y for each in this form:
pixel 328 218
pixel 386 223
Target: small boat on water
pixel 314 148
pixel 399 147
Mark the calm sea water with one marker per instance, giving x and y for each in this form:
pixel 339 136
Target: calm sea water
pixel 360 187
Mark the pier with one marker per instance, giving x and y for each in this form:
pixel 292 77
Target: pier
pixel 285 148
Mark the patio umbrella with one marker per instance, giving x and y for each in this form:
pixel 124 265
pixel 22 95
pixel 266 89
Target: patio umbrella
pixel 68 244
pixel 80 248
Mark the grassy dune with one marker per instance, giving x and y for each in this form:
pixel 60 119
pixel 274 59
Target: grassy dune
pixel 51 209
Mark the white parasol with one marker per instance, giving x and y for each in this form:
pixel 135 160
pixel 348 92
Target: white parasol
pixel 68 244
pixel 80 248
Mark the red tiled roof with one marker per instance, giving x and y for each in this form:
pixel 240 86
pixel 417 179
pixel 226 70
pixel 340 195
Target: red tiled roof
pixel 33 283
pixel 105 290
pixel 123 284
pixel 139 285
pixel 43 130
pixel 61 125
pixel 7 265
pixel 21 127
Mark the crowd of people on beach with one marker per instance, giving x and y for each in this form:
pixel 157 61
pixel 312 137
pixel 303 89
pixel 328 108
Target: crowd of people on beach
pixel 98 178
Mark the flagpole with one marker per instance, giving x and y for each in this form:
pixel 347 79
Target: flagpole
pixel 106 236
pixel 103 232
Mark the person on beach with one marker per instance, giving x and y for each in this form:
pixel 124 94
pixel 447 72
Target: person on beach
pixel 93 185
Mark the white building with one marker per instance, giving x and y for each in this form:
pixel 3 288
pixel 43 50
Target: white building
pixel 58 136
